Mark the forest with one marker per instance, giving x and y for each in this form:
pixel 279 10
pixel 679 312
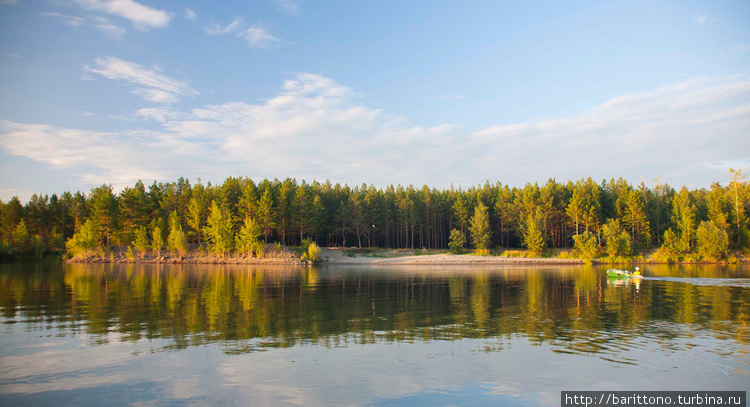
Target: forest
pixel 587 219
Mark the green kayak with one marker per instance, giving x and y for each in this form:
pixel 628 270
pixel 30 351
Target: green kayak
pixel 615 273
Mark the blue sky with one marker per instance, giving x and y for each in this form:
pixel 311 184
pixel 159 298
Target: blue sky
pixel 419 92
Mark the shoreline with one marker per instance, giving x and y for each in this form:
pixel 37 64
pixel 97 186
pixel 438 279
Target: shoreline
pixel 348 256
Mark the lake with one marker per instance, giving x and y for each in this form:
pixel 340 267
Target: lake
pixel 103 334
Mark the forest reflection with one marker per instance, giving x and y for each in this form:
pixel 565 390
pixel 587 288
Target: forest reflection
pixel 244 308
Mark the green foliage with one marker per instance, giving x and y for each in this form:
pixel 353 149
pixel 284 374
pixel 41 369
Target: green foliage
pixel 618 241
pixel 248 240
pixel 56 241
pixel 457 241
pixel 712 241
pixel 157 239
pixel 104 212
pixel 177 242
pixel 481 235
pixel 586 244
pixel 534 232
pixel 84 241
pixel 670 249
pixel 140 240
pixel 313 252
pixel 405 217
pixel 21 238
pixel 37 246
pixel 129 254
pixel 219 231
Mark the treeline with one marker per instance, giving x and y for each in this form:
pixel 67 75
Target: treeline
pixel 612 217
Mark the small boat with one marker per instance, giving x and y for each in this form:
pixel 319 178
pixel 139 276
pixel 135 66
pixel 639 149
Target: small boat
pixel 615 273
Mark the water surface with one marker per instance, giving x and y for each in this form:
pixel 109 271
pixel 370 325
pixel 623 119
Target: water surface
pixel 389 335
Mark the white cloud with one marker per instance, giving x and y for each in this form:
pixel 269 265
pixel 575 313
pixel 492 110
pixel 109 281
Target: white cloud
pixel 316 128
pixel 701 19
pixel 254 35
pixel 190 14
pixel 153 86
pixel 74 21
pixel 9 2
pixel 290 7
pixel 259 38
pixel 142 17
pixel 11 54
pixel 217 29
pixel 100 23
pixel 107 28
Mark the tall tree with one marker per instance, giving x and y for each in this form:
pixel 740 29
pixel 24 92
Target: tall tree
pixel 685 216
pixel 104 212
pixel 12 213
pixel 739 195
pixel 534 231
pixel 219 230
pixel 265 213
pixel 635 218
pixel 481 234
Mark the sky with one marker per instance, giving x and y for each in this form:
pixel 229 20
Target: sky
pixel 435 92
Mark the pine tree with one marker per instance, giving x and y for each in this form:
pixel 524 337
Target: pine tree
pixel 534 232
pixel 140 240
pixel 481 234
pixel 712 242
pixel 219 231
pixel 635 219
pixel 739 195
pixel 177 241
pixel 248 240
pixel 457 241
pixel 157 239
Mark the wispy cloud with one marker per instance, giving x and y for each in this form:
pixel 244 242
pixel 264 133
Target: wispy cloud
pixel 152 85
pixel 255 35
pixel 190 14
pixel 8 2
pixel 704 19
pixel 107 28
pixel 100 23
pixel 11 54
pixel 74 21
pixel 291 7
pixel 316 128
pixel 142 17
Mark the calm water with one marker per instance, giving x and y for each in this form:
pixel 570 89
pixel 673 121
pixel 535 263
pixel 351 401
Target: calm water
pixel 239 335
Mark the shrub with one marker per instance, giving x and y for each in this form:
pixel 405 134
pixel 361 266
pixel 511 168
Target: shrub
pixel 313 252
pixel 713 242
pixel 85 240
pixel 586 244
pixel 618 241
pixel 457 241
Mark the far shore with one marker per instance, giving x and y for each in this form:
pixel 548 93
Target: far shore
pixel 336 256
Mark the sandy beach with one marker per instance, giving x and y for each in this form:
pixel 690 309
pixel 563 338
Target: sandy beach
pixel 350 256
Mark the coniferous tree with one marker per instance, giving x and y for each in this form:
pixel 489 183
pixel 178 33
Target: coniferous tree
pixel 177 241
pixel 140 240
pixel 248 239
pixel 739 196
pixel 85 240
pixel 481 234
pixel 104 212
pixel 219 231
pixel 712 242
pixel 157 239
pixel 534 232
